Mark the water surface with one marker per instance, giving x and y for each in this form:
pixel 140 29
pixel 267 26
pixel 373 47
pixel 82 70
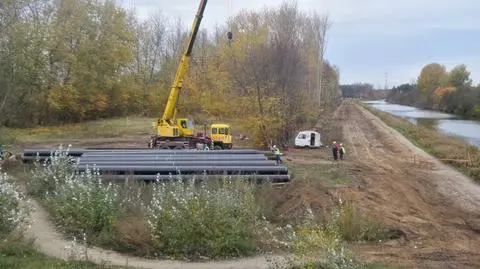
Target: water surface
pixel 446 123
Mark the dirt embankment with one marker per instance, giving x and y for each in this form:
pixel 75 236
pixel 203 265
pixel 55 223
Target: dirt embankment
pixel 436 206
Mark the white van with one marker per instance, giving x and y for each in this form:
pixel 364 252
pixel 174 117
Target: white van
pixel 310 139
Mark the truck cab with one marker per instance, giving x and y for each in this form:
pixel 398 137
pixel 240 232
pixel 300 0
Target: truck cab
pixel 221 135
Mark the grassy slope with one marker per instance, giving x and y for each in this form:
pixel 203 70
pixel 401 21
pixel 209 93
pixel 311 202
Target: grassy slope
pixel 117 128
pixel 450 150
pixel 125 129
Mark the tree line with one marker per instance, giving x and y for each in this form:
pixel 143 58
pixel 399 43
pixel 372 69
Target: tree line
pixel 363 91
pixel 436 88
pixel 76 60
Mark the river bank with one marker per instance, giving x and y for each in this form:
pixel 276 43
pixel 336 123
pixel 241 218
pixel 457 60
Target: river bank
pixel 450 150
pixel 448 124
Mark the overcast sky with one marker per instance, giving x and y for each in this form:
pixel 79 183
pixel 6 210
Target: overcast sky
pixel 368 38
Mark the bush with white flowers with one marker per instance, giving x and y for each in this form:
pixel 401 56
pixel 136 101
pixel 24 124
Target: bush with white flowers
pixel 185 218
pixel 13 207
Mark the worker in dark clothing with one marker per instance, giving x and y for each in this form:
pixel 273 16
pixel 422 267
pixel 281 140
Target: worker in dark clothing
pixel 341 151
pixel 335 150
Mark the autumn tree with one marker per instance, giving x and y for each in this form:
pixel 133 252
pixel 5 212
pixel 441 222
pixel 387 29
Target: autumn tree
pixel 438 89
pixel 70 61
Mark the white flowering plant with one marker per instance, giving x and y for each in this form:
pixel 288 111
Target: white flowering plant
pixel 14 209
pixel 185 218
pixel 190 218
pixel 51 172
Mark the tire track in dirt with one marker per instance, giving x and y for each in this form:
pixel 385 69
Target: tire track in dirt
pixel 347 129
pixel 364 134
pixel 409 197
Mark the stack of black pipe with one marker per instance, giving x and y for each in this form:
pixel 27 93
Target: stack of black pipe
pixel 150 164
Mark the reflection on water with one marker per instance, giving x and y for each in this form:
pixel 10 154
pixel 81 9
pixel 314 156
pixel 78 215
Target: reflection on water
pixel 446 123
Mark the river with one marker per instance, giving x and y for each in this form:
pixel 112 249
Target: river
pixel 446 123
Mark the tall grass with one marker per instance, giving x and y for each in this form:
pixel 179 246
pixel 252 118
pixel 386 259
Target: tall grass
pixel 180 219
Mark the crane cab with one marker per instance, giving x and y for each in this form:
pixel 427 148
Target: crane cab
pixel 221 135
pixel 185 126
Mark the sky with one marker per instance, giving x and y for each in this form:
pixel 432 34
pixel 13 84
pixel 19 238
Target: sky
pixel 371 41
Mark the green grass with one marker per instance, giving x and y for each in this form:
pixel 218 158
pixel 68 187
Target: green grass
pixel 102 129
pixel 30 259
pixel 21 255
pixel 449 149
pixel 329 175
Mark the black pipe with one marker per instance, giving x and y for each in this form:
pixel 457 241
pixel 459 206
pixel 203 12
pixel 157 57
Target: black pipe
pixel 272 178
pixel 77 151
pixel 189 169
pixel 176 152
pixel 177 163
pixel 154 157
pixel 110 155
pixel 178 157
pixel 159 156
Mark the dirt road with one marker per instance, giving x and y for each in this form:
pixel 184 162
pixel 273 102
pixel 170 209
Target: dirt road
pixel 437 207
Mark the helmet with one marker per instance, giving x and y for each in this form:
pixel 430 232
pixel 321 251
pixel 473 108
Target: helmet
pixel 334 142
pixel 274 146
pixel 341 144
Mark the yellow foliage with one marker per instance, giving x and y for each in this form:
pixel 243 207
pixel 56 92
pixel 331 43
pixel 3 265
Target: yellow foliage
pixel 63 97
pixel 99 101
pixel 442 91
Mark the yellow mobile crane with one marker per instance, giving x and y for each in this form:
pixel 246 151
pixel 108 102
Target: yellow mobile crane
pixel 178 133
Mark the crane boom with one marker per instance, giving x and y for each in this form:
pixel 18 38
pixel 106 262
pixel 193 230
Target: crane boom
pixel 169 111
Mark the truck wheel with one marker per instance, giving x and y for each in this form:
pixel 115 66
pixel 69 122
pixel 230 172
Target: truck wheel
pixel 217 147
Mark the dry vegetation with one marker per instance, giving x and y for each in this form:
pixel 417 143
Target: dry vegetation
pixel 192 220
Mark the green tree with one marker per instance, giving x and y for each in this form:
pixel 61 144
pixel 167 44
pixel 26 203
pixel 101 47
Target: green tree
pixel 459 76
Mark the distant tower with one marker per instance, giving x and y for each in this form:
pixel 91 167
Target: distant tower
pixel 386 81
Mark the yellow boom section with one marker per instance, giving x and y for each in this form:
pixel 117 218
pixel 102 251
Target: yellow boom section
pixel 166 126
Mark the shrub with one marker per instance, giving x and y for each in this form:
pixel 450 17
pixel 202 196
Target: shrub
pixel 13 210
pixel 354 225
pixel 186 219
pixel 204 220
pixel 84 204
pixel 49 174
pixel 316 246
